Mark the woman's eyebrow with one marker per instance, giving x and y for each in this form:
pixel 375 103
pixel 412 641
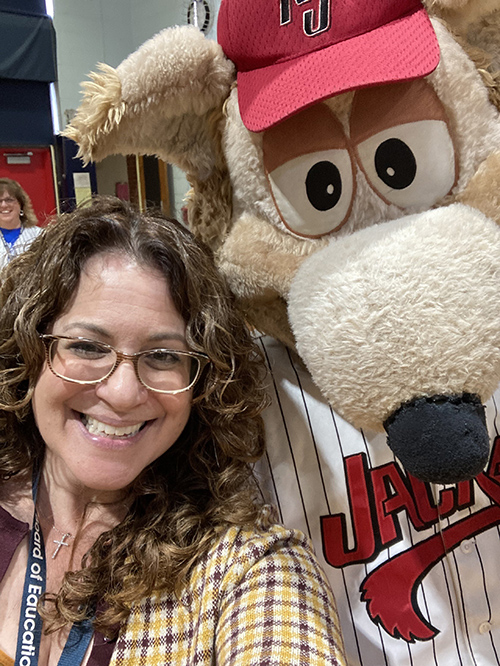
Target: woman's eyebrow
pixel 103 333
pixel 167 335
pixel 87 326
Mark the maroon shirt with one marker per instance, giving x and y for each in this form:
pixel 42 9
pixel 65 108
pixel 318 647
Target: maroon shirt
pixel 12 532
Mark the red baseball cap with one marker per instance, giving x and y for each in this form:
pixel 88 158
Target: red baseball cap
pixel 290 54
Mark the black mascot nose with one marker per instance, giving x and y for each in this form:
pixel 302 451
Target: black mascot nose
pixel 441 439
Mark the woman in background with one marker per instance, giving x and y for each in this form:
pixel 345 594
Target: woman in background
pixel 18 223
pixel 132 528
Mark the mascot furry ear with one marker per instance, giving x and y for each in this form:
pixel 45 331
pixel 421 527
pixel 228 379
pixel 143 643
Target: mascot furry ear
pixel 345 167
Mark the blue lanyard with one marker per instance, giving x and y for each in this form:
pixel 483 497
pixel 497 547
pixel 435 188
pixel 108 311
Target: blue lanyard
pixel 29 633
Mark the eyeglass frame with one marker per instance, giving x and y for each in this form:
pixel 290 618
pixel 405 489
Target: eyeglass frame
pixel 48 340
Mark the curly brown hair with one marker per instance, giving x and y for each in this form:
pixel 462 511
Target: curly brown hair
pixel 204 482
pixel 28 217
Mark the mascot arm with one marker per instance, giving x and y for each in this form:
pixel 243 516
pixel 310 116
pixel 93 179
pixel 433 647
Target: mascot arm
pixel 259 262
pixel 164 99
pixel 254 261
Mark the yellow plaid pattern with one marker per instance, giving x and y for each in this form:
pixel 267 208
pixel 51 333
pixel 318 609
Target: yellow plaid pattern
pixel 255 599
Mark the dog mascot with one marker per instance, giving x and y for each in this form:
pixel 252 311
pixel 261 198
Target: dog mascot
pixel 344 157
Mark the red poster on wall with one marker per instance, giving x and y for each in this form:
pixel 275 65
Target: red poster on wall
pixel 33 170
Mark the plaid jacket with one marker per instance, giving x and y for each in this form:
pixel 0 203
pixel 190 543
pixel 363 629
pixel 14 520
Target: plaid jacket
pixel 255 599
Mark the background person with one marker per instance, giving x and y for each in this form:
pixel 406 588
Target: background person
pixel 18 222
pixel 130 394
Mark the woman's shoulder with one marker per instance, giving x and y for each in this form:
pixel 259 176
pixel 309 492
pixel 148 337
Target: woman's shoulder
pixel 16 499
pixel 248 573
pixel 259 551
pixel 252 543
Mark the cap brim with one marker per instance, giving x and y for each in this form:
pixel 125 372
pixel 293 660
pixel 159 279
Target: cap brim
pixel 404 49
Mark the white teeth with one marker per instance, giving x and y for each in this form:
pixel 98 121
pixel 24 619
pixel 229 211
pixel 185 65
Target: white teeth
pixel 97 427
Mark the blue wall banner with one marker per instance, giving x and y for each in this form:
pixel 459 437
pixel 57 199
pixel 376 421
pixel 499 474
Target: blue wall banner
pixel 36 7
pixel 27 48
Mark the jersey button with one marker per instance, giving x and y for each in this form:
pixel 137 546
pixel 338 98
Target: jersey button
pixel 484 627
pixel 466 547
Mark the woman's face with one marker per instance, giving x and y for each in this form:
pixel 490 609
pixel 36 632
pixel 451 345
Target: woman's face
pixel 10 209
pixel 129 307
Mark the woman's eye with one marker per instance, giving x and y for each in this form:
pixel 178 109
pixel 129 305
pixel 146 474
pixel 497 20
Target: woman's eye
pixel 314 192
pixel 410 165
pixel 86 349
pixel 162 359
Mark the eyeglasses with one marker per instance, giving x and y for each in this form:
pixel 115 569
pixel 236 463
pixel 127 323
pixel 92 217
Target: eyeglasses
pixel 85 361
pixel 8 200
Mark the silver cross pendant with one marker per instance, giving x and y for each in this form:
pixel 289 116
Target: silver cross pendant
pixel 60 543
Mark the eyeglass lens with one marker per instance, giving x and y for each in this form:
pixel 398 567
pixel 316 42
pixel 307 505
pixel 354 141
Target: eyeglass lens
pixel 7 200
pixel 88 361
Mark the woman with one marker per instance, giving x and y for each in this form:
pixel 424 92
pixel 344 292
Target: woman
pixel 130 393
pixel 17 220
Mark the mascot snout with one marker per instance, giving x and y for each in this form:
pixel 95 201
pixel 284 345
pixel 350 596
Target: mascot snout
pixel 380 317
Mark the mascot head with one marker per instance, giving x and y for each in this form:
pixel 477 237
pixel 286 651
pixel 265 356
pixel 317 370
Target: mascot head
pixel 345 164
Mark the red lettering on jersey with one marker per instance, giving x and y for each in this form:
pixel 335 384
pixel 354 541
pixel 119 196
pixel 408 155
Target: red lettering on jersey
pixel 334 528
pixel 493 470
pixel 450 500
pixel 398 611
pixel 392 495
pixel 465 495
pixel 425 502
pixel 376 497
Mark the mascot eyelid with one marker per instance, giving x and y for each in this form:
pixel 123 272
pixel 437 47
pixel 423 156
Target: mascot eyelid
pixel 310 169
pixel 314 193
pixel 412 166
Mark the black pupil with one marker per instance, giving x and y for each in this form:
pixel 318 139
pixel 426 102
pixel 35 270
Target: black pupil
pixel 395 164
pixel 324 185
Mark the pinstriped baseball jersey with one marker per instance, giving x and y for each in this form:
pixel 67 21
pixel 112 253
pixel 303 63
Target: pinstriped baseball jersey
pixel 26 237
pixel 415 567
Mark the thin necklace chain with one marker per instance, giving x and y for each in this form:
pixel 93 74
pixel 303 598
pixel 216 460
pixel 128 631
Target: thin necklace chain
pixel 59 542
pixel 61 532
pixel 64 535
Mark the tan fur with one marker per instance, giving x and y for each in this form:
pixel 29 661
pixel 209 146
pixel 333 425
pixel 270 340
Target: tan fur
pixel 278 255
pixel 423 290
pixel 483 191
pixel 100 113
pixel 461 14
pixel 476 23
pixel 486 65
pixel 159 101
pixel 209 202
pixel 272 318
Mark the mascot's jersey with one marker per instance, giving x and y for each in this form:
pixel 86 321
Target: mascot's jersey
pixel 415 568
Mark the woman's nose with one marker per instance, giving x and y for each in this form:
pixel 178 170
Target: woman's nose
pixel 122 389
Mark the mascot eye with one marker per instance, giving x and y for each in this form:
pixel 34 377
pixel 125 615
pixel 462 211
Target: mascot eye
pixel 324 185
pixel 411 165
pixel 395 164
pixel 314 192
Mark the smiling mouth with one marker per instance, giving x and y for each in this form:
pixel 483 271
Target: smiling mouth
pixel 96 427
